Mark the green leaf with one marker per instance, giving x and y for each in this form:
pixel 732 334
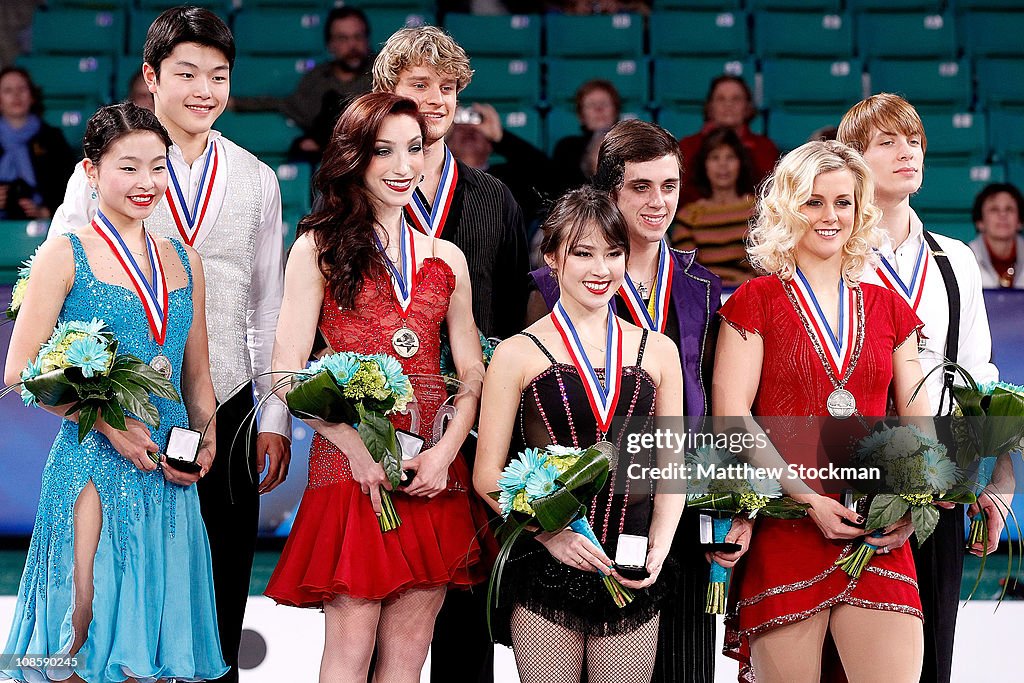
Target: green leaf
pixel 51 388
pixel 114 415
pixel 86 419
pixel 925 519
pixel 320 396
pixel 886 509
pixel 378 434
pixel 719 502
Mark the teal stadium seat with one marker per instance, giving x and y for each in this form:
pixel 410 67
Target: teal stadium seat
pixel 814 82
pixel 218 6
pixel 951 189
pixel 404 5
pixel 63 77
pixel 999 81
pixel 18 246
pixel 514 36
pixel 296 192
pixel 797 5
pixel 78 31
pixel 699 33
pixel 888 34
pixel 255 76
pixel 717 5
pixel 803 34
pixel 71 121
pixel 310 5
pixel 123 5
pixel 562 122
pixel 924 81
pixel 1006 132
pixel 1015 172
pixel 386 20
pixel 681 120
pixel 789 129
pixel 930 6
pixel 498 80
pixel 268 135
pixel 994 34
pixel 957 224
pixel 987 4
pixel 280 32
pixel 629 76
pixel 685 80
pixel 138 24
pixel 955 135
pixel 524 122
pixel 598 36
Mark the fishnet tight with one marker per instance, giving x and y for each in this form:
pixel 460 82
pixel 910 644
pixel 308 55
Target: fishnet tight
pixel 548 653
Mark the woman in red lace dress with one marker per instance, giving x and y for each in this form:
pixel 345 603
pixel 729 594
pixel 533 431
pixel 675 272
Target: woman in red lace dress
pixel 371 284
pixel 785 352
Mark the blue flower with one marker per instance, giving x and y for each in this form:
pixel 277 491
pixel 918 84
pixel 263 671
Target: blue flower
pixel 394 375
pixel 33 369
pixel 541 482
pixel 94 328
pixel 990 387
pixel 89 355
pixel 939 471
pixel 513 477
pixel 341 365
pixel 27 397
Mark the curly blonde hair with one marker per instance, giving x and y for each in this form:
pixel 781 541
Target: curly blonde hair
pixel 779 225
pixel 417 46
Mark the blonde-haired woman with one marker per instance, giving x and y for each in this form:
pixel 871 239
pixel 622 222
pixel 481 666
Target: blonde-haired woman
pixel 782 353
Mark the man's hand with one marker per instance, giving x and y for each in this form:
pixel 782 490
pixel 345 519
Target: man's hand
pixel 279 451
pixel 994 506
pixel 490 123
pixel 740 533
pixel 895 535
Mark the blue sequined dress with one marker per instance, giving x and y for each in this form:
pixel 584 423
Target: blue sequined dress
pixel 154 614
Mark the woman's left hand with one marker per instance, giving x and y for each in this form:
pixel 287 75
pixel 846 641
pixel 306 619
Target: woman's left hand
pixel 204 459
pixel 431 468
pixel 655 561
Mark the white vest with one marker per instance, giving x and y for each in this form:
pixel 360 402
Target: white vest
pixel 227 252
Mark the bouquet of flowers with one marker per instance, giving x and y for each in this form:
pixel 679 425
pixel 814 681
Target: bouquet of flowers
pixel 80 365
pixel 18 293
pixel 725 497
pixel 362 391
pixel 544 487
pixel 916 473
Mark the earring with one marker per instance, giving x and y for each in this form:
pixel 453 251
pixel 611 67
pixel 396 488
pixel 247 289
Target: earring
pixel 92 195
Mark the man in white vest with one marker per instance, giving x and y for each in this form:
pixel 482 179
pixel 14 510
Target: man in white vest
pixel 227 204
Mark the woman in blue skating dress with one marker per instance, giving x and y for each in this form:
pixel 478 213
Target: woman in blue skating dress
pixel 117 583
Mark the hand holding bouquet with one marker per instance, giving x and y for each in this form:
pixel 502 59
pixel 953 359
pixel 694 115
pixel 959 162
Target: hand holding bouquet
pixel 544 487
pixel 726 497
pixel 916 474
pixel 80 365
pixel 362 391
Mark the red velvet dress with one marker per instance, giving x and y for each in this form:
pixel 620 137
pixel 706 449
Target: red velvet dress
pixel 336 546
pixel 789 573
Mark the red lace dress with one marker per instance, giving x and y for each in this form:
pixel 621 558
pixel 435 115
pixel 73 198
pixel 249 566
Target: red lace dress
pixel 789 573
pixel 336 546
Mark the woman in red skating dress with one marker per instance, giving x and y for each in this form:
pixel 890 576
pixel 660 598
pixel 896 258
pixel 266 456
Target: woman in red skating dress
pixel 371 284
pixel 799 340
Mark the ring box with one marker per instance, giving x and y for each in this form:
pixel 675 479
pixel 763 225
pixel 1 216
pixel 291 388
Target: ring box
pixel 859 505
pixel 183 449
pixel 631 557
pixel 707 538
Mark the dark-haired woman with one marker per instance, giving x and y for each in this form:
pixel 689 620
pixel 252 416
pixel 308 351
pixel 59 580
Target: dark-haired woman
pixel 716 224
pixel 118 582
pixel 35 159
pixel 575 377
pixel 360 274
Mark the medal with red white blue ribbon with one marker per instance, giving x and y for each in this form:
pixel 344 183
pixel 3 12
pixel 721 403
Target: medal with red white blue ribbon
pixel 837 349
pixel 429 219
pixel 153 295
pixel 602 397
pixel 911 292
pixel 405 341
pixel 189 222
pixel 654 315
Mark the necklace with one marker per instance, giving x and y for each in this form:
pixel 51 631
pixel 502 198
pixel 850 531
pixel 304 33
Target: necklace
pixel 595 346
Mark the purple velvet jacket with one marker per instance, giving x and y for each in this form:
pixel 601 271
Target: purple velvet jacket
pixel 696 296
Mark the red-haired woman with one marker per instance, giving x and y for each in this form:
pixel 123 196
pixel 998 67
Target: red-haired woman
pixel 360 274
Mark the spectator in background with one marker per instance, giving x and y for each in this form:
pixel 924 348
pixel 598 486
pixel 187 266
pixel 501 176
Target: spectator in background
pixel 35 159
pixel 598 107
pixel 138 92
pixel 526 170
pixel 324 92
pixel 999 247
pixel 716 224
pixel 729 104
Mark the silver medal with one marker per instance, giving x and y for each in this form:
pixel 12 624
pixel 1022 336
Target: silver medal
pixel 162 364
pixel 841 404
pixel 405 342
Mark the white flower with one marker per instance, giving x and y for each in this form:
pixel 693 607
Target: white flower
pixel 561 451
pixel 768 488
